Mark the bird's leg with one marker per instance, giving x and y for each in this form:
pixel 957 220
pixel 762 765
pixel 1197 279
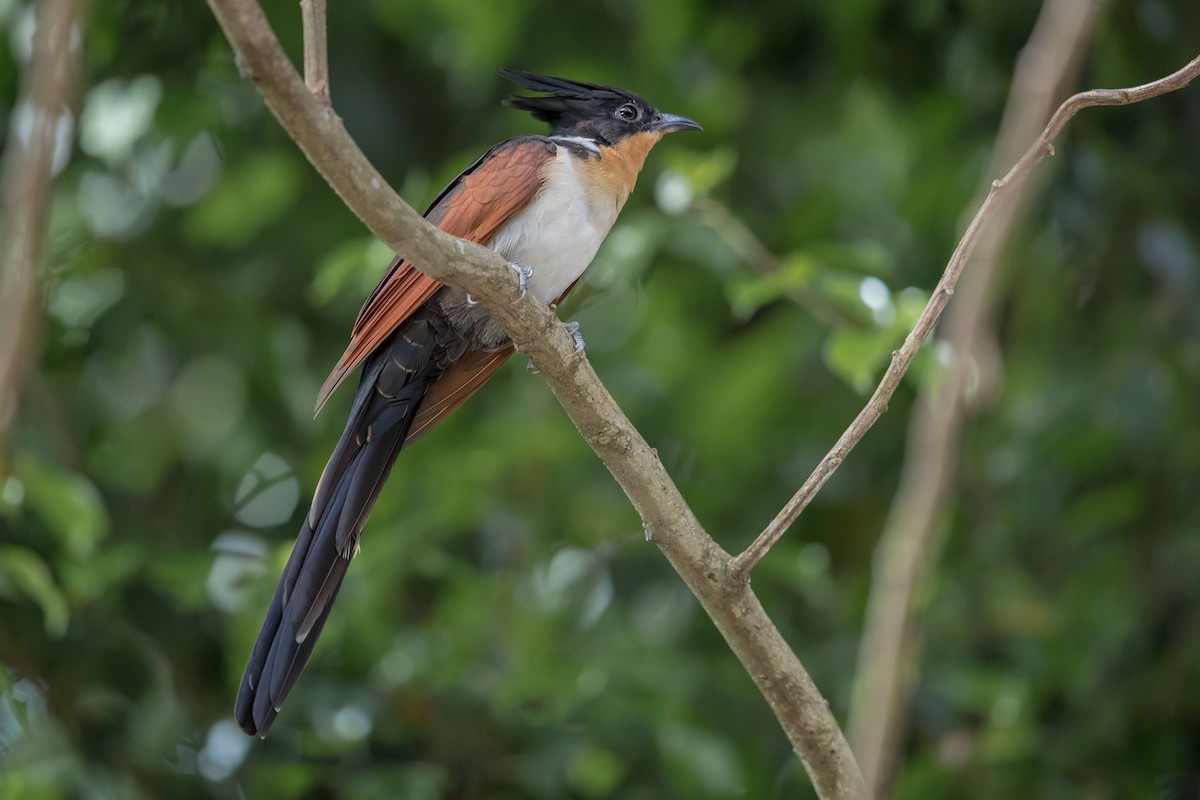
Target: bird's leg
pixel 571 328
pixel 523 276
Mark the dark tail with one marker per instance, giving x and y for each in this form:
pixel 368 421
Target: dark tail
pixel 394 381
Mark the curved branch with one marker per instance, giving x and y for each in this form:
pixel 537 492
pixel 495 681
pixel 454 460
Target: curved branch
pixel 999 193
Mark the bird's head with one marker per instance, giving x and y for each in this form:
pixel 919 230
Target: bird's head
pixel 592 110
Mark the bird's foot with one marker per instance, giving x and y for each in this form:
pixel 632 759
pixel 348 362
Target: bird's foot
pixel 523 276
pixel 571 328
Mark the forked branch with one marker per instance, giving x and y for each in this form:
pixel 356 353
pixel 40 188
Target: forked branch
pixel 802 712
pixel 718 581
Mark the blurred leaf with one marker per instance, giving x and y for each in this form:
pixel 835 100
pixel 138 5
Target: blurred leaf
pixel 696 173
pixel 1105 509
pixel 748 294
pixel 865 257
pixel 116 115
pixel 77 302
pixel 67 502
pixel 594 772
pixel 858 355
pixel 573 577
pixel 354 265
pixel 702 764
pixel 23 572
pixel 206 402
pixel 108 569
pixel 245 200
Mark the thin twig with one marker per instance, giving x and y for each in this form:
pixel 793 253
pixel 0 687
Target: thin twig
pixel 799 707
pixel 888 652
pixel 902 358
pixel 28 172
pixel 316 49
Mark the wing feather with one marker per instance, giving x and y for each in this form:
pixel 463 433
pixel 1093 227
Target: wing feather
pixel 473 207
pixel 451 390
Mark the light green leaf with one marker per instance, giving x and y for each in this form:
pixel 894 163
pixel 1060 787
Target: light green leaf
pixel 23 572
pixel 246 201
pixel 857 355
pixel 67 502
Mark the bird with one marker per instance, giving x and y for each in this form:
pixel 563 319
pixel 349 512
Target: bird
pixel 544 203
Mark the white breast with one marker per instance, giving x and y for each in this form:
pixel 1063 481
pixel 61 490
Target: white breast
pixel 559 233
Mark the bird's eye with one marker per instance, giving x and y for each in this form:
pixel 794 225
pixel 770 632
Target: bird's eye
pixel 628 112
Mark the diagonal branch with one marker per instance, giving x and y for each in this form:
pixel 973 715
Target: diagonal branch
pixel 996 198
pixel 888 650
pixel 704 566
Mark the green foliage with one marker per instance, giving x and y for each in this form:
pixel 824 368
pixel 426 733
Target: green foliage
pixel 507 631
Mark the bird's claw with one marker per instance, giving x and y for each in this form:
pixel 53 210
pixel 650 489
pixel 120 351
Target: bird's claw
pixel 573 329
pixel 523 276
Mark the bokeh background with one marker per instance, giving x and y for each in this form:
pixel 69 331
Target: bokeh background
pixel 507 632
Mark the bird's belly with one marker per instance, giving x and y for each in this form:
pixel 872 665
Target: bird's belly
pixel 557 234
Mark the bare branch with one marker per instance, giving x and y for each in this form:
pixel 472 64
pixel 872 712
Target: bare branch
pixel 40 120
pixel 902 358
pixel 700 561
pixel 316 49
pixel 888 651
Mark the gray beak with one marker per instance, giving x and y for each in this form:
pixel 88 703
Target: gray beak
pixel 669 123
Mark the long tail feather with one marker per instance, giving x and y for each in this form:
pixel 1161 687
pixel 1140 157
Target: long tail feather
pixel 395 380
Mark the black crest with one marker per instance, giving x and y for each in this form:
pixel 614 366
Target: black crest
pixel 574 107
